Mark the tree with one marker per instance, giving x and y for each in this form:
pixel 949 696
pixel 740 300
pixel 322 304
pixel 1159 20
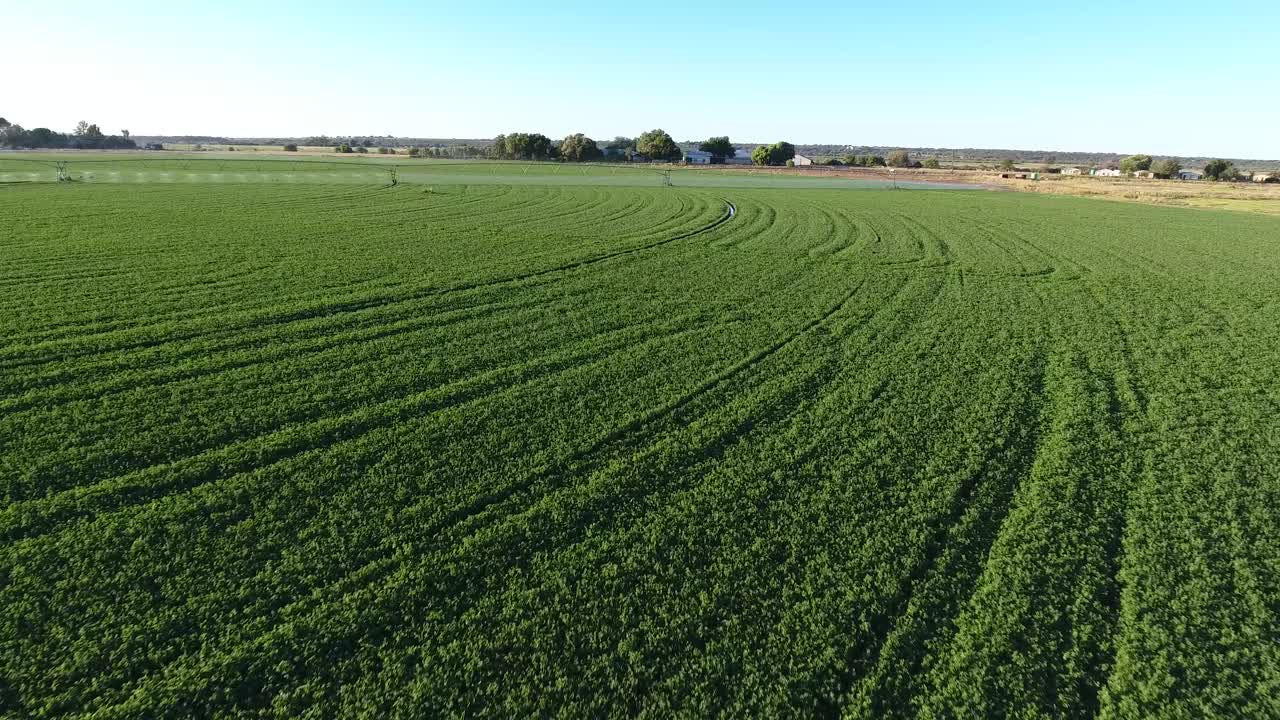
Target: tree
pixel 1134 163
pixel 291 147
pixel 523 146
pixel 1166 168
pixel 343 148
pixel 776 154
pixel 414 152
pixel 82 129
pixel 579 148
pixel 622 143
pixel 658 145
pixel 932 164
pixel 899 159
pixel 1006 164
pixel 719 147
pixel 1219 170
pixel 3 123
pixel 124 134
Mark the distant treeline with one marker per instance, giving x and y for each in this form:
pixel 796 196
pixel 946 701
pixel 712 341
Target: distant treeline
pixel 86 136
pixel 496 147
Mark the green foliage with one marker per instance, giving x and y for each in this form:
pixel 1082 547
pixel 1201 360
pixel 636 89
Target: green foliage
pixel 776 154
pixel 899 159
pixel 1220 170
pixel 343 148
pixel 658 145
pixel 523 146
pixel 86 136
pixel 719 147
pixel 1166 169
pixel 932 163
pixel 579 148
pixel 316 447
pixel 291 147
pixel 1133 163
pixel 864 160
pixel 1006 164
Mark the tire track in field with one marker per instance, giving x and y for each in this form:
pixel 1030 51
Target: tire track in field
pixel 32 518
pixel 948 537
pixel 596 455
pixel 386 564
pixel 948 569
pixel 54 471
pixel 152 319
pixel 330 310
pixel 640 428
pixel 209 311
pixel 351 588
pixel 65 391
pixel 626 434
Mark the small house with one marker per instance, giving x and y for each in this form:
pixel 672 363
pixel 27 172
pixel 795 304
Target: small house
pixel 1266 177
pixel 1072 171
pixel 1106 172
pixel 697 157
pixel 801 160
pixel 639 158
pixel 1189 175
pixel 1144 174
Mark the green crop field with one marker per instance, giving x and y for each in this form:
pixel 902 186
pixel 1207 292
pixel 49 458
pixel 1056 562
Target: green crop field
pixel 534 441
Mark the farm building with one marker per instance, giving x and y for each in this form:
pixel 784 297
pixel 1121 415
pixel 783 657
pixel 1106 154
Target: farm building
pixel 1106 172
pixel 697 157
pixel 638 158
pixel 1072 171
pixel 1189 175
pixel 1143 174
pixel 1263 177
pixel 802 160
pixel 743 157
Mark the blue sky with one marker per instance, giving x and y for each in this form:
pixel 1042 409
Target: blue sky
pixel 1189 78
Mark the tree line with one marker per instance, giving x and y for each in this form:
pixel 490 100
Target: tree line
pixel 86 136
pixel 1216 169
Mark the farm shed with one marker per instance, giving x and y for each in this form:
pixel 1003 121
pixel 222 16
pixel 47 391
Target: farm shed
pixel 638 158
pixel 697 157
pixel 1263 177
pixel 1072 171
pixel 1106 172
pixel 1189 175
pixel 802 160
pixel 1144 174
